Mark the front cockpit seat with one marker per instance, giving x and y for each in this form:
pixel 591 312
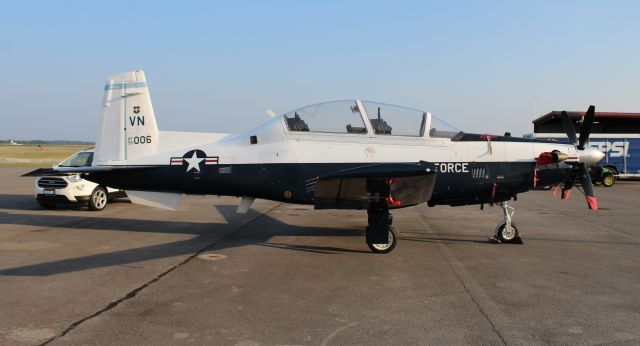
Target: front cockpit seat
pixel 352 129
pixel 296 123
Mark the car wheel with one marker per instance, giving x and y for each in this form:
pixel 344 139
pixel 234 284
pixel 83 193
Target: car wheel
pixel 98 199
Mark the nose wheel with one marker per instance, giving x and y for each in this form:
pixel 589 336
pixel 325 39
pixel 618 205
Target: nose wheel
pixel 506 231
pixel 506 234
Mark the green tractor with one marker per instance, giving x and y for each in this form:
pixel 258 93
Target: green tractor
pixel 602 175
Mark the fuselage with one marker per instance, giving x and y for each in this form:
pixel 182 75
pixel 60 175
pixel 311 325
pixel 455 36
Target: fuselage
pixel 272 162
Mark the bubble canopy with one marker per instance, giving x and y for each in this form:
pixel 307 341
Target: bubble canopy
pixel 348 117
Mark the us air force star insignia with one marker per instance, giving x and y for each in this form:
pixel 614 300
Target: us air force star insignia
pixel 194 162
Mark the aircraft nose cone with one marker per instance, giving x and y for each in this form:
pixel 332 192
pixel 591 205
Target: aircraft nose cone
pixel 599 156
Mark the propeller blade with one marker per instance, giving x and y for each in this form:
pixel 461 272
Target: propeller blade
pixel 566 189
pixel 587 124
pixel 568 127
pixel 554 192
pixel 587 186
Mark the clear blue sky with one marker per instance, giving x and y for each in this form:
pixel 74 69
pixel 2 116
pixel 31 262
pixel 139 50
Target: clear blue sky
pixel 216 66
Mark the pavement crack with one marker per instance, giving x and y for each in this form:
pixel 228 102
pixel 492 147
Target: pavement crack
pixel 475 302
pixel 131 294
pixel 336 332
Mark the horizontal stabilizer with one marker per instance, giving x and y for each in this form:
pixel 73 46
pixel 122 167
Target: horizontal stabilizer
pixel 41 172
pixel 84 169
pixel 162 200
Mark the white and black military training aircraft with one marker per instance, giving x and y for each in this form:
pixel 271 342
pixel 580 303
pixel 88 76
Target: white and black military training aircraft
pixel 335 155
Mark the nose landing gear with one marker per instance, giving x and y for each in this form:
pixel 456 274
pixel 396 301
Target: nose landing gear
pixel 506 231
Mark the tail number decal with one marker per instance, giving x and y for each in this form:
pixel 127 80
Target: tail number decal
pixel 137 120
pixel 139 140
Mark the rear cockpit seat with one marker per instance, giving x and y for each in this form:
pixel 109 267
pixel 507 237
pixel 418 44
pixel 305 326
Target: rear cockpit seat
pixel 296 123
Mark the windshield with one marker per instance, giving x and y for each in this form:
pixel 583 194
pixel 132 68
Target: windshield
pixel 442 129
pixel 328 117
pixel 80 159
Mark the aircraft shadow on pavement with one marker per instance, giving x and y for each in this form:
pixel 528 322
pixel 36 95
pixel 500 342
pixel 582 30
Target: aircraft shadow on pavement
pixel 18 202
pixel 208 237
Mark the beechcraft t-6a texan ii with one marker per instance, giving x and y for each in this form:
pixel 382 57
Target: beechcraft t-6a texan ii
pixel 335 155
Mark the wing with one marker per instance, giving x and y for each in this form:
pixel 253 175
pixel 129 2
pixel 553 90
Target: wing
pixel 398 185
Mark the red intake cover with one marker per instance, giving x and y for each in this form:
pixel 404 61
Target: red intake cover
pixel 544 159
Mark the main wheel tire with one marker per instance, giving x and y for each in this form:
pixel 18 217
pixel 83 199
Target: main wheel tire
pixel 98 199
pixel 47 205
pixel 506 236
pixel 608 180
pixel 388 247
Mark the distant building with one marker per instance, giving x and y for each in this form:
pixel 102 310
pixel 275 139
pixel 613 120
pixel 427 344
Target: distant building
pixel 605 122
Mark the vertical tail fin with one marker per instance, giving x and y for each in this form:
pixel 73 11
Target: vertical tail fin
pixel 128 129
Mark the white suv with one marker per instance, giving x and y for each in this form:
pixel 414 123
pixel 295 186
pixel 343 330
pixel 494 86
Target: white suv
pixel 72 189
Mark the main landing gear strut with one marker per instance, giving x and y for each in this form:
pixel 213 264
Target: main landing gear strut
pixel 506 231
pixel 382 237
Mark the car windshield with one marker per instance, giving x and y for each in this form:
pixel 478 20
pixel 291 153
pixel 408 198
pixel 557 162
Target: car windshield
pixel 328 117
pixel 80 159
